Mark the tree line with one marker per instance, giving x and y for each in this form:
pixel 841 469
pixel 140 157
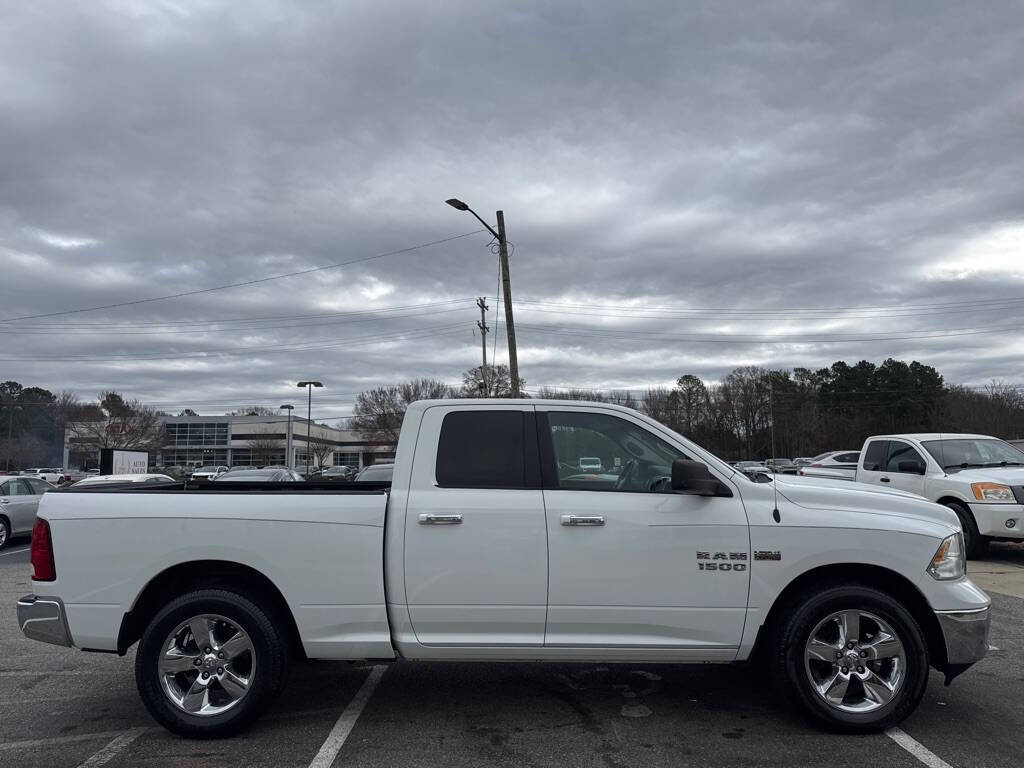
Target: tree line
pixel 755 412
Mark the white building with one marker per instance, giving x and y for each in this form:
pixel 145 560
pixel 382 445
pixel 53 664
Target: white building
pixel 257 440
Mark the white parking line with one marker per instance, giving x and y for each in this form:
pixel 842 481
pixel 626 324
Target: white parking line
pixel 30 743
pixel 110 751
pixel 15 551
pixel 917 749
pixel 336 738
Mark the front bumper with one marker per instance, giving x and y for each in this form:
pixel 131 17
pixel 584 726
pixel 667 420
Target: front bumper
pixel 999 520
pixel 965 634
pixel 44 619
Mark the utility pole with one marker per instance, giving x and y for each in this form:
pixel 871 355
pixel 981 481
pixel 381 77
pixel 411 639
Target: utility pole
pixel 506 289
pixel 482 325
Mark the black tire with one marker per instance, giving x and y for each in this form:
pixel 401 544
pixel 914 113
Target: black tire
pixel 975 545
pixel 5 531
pixel 268 646
pixel 799 621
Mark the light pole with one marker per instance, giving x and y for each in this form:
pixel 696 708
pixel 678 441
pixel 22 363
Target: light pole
pixel 288 438
pixel 506 287
pixel 309 417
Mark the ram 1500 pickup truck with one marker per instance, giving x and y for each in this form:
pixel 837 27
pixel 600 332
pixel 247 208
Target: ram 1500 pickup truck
pixel 490 544
pixel 980 478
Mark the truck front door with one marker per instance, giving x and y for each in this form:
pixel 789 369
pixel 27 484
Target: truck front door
pixel 632 564
pixel 476 557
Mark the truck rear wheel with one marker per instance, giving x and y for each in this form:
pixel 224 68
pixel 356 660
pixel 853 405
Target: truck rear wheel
pixel 852 658
pixel 209 664
pixel 975 545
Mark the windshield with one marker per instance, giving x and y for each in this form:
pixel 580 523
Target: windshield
pixel 967 453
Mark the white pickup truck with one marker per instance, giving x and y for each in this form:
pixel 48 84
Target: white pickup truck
pixel 488 545
pixel 981 478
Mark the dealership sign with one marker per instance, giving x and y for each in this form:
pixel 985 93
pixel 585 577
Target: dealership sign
pixel 118 462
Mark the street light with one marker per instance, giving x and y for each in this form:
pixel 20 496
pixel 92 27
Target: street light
pixel 288 442
pixel 506 287
pixel 309 416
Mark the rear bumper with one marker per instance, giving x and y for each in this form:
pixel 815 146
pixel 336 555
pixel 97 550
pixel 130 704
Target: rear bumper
pixel 44 619
pixel 966 636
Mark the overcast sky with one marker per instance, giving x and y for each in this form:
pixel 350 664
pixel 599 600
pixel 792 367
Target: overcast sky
pixel 777 167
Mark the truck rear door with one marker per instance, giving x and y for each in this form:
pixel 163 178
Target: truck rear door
pixel 475 549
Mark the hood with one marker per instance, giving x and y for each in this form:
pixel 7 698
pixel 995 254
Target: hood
pixel 1005 475
pixel 826 494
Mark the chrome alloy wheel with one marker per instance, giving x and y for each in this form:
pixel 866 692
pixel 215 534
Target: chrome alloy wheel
pixel 206 665
pixel 855 661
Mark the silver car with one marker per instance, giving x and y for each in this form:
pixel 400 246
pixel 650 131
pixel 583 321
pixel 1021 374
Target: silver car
pixel 19 500
pixel 839 465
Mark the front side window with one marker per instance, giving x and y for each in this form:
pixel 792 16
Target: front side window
pixel 485 449
pixel 630 457
pixel 902 453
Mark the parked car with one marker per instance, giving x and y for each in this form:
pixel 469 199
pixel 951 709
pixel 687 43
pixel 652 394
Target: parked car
pixel 209 472
pixel 100 480
pixel 252 475
pixel 339 472
pixel 839 465
pixel 590 464
pixel 802 461
pixel 781 466
pixel 19 500
pixel 979 477
pixel 376 473
pixel 52 475
pixel 481 553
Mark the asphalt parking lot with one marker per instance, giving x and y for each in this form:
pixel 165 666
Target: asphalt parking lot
pixel 60 707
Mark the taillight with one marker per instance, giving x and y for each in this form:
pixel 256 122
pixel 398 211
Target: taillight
pixel 41 555
pixel 816 465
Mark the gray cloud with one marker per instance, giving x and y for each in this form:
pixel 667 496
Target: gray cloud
pixel 715 155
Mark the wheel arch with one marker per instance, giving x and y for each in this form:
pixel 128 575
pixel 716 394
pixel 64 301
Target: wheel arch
pixel 201 574
pixel 878 577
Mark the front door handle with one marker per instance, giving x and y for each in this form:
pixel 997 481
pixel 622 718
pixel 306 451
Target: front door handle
pixel 577 520
pixel 883 479
pixel 429 519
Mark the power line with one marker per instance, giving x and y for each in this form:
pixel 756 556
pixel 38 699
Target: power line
pixel 742 310
pixel 245 282
pixel 235 329
pixel 764 339
pixel 172 323
pixel 459 327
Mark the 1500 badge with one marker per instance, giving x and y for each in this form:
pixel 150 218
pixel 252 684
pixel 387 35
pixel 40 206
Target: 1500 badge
pixel 721 561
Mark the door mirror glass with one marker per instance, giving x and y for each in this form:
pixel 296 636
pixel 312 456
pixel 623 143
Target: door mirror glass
pixel 694 478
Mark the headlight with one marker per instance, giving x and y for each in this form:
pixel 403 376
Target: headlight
pixel 948 560
pixel 993 492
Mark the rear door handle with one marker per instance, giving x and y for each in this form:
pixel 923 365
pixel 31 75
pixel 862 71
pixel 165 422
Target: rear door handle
pixel 883 479
pixel 578 520
pixel 429 519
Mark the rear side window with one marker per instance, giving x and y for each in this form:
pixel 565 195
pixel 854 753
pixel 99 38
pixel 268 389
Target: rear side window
pixel 488 449
pixel 875 455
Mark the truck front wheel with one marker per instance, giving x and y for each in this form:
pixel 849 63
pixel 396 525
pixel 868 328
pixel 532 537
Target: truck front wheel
pixel 852 658
pixel 209 664
pixel 975 545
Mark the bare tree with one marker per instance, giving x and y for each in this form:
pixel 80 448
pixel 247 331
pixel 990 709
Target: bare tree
pixel 252 410
pixel 321 449
pixel 378 413
pixel 498 379
pixel 121 423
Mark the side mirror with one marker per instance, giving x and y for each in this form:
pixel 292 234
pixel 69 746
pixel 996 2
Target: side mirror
pixel 695 479
pixel 911 467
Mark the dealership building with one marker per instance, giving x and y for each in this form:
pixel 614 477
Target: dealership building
pixel 253 441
